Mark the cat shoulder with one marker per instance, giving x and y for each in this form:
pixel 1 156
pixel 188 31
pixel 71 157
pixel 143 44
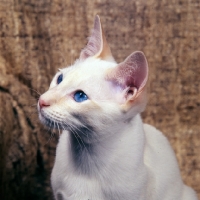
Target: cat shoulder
pixel 152 133
pixel 158 148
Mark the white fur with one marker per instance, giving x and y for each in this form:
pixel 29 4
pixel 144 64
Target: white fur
pixel 132 161
pixel 139 165
pixel 105 152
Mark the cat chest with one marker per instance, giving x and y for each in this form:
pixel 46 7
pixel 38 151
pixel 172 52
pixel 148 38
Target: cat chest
pixel 70 186
pixel 76 188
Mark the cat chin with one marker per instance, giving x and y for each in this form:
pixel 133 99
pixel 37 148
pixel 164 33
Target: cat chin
pixel 47 122
pixel 50 123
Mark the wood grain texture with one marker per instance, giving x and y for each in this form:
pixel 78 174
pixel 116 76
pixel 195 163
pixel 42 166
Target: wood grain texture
pixel 38 37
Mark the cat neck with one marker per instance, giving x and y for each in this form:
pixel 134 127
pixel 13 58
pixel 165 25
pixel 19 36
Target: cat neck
pixel 125 144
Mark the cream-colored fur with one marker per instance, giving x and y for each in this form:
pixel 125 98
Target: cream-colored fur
pixel 105 152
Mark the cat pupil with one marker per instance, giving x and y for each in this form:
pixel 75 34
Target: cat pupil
pixel 60 78
pixel 80 96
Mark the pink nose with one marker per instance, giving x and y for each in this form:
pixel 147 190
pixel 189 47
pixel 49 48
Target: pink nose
pixel 43 103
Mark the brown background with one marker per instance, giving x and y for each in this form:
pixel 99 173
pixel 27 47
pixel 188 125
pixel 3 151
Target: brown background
pixel 39 36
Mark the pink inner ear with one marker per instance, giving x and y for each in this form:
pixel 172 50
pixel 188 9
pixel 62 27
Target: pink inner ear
pixel 133 72
pixel 94 45
pixel 97 45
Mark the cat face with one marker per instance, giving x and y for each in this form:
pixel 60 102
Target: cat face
pixel 62 105
pixel 95 94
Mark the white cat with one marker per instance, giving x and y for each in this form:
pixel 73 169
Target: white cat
pixel 105 152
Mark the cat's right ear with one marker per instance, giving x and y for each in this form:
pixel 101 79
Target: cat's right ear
pixel 130 77
pixel 97 45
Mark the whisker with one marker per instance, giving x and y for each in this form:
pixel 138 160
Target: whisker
pixel 80 139
pixel 86 128
pixel 35 91
pixel 76 134
pixel 33 98
pixel 77 139
pixel 49 130
pixel 73 129
pixel 58 127
pixel 51 136
pixel 32 105
pixel 52 133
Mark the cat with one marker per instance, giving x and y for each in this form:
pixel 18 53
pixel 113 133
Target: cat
pixel 105 152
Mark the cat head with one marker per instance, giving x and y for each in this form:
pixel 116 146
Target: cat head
pixel 95 92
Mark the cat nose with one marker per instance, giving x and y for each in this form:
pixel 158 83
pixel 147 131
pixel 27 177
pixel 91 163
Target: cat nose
pixel 43 103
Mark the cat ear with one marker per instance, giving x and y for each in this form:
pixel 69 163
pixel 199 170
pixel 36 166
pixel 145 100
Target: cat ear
pixel 131 75
pixel 97 45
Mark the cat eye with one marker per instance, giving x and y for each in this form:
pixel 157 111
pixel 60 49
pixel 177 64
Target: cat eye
pixel 60 78
pixel 80 96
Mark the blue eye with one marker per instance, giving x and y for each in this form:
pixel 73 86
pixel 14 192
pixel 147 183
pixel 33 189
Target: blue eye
pixel 80 96
pixel 60 78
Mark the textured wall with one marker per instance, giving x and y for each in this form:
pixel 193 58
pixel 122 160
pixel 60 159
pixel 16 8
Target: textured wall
pixel 37 37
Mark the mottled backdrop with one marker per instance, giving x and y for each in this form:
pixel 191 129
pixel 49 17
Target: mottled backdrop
pixel 39 36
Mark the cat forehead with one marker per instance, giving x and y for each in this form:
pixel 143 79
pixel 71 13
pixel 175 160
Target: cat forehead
pixel 89 68
pixel 93 65
pixel 83 72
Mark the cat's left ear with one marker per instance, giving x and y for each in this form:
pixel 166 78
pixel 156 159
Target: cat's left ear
pixel 130 76
pixel 97 45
